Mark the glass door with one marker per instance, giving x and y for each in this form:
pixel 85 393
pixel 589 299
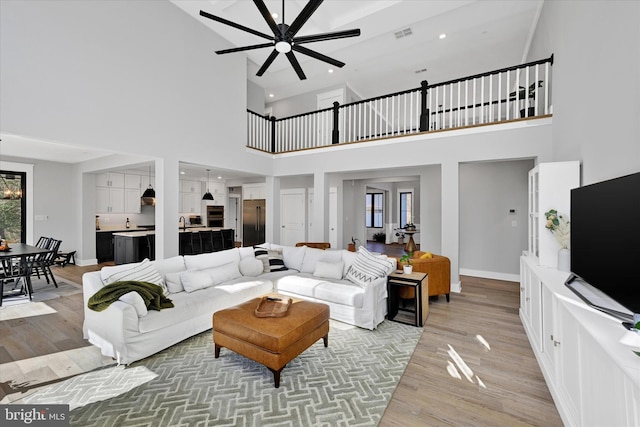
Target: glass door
pixel 13 206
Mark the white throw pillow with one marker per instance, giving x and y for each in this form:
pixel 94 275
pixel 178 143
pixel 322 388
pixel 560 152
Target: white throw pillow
pixel 194 280
pixel 276 260
pixel 211 259
pixel 311 256
pixel 262 255
pixel 133 298
pixel 143 272
pixel 251 267
pixel 329 270
pixel 368 267
pixel 174 284
pixel 224 273
pixel 169 265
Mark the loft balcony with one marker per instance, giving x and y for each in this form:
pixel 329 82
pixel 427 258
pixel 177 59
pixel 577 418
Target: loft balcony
pixel 520 92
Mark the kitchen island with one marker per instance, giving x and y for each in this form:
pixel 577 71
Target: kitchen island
pixel 134 246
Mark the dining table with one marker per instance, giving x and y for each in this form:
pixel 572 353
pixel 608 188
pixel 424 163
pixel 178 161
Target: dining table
pixel 17 263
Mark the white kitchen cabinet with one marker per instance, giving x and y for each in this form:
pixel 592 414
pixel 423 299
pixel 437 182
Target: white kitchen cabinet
pixel 132 201
pixel 132 182
pixel 111 179
pixel 253 191
pixel 188 186
pixel 594 380
pixel 109 200
pixel 550 187
pixel 218 190
pixel 145 181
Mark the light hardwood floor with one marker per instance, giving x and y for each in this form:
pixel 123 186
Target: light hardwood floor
pixel 473 365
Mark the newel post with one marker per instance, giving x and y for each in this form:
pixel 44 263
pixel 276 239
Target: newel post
pixel 273 134
pixel 335 134
pixel 424 111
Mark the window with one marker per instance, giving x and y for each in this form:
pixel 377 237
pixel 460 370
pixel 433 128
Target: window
pixel 12 206
pixel 374 210
pixel 406 208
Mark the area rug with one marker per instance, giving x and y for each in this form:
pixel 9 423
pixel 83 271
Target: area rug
pixel 349 383
pixel 42 291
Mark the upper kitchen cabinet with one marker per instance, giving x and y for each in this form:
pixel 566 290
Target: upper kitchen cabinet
pixel 190 196
pixel 118 193
pixel 219 194
pixel 188 186
pixel 253 191
pixel 111 179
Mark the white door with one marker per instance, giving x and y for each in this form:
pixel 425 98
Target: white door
pixel 333 217
pixel 292 216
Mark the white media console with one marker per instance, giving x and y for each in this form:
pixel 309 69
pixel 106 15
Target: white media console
pixel 594 380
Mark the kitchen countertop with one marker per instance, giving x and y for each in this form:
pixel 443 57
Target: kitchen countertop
pixel 143 232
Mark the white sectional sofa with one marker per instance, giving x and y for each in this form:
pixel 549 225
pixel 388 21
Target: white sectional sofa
pixel 352 284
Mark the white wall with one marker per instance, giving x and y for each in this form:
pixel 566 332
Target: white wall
pixel 596 84
pixel 488 240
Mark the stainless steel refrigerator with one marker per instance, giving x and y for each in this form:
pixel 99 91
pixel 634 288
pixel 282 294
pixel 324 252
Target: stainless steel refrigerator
pixel 253 216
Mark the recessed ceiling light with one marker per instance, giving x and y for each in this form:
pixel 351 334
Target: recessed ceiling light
pixel 271 95
pixel 219 177
pixel 182 172
pixel 442 36
pixel 330 70
pixel 274 15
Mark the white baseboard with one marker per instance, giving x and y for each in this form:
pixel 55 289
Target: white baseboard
pixel 86 262
pixel 456 287
pixel 490 275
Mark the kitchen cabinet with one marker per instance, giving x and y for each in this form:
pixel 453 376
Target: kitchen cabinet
pixel 190 196
pixel 109 200
pixel 145 181
pixel 132 182
pixel 104 246
pixel 219 193
pixel 111 179
pixel 593 379
pixel 253 191
pixel 132 201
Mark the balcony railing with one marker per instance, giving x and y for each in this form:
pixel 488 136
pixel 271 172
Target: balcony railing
pixel 509 93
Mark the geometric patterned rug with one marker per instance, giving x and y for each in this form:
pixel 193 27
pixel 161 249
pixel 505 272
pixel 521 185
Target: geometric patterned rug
pixel 348 383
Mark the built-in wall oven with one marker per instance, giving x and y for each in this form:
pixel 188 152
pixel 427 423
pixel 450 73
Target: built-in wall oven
pixel 215 216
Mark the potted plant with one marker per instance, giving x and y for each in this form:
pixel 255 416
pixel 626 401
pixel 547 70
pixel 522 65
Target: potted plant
pixel 410 226
pixel 379 237
pixel 406 260
pixel 400 236
pixel 527 93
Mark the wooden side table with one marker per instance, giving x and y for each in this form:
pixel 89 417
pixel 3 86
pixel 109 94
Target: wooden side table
pixel 418 281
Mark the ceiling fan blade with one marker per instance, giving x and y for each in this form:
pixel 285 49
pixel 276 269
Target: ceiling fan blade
pixel 267 16
pixel 268 62
pixel 234 25
pixel 312 53
pixel 326 36
pixel 296 65
pixel 240 49
pixel 304 16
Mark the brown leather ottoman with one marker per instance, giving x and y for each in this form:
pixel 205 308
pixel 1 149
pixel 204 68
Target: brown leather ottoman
pixel 273 342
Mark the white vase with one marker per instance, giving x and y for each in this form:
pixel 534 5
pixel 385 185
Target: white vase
pixel 564 260
pixel 408 269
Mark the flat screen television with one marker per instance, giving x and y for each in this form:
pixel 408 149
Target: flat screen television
pixel 605 245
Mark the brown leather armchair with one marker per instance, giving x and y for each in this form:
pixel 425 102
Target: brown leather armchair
pixel 438 269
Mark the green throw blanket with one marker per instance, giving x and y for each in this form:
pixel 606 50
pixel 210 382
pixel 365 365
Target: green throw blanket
pixel 152 295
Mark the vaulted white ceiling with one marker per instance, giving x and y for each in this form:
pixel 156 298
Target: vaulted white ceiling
pixel 481 35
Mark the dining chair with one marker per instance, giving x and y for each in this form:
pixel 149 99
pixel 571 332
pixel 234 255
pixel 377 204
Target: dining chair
pixel 12 272
pixel 42 263
pixel 185 242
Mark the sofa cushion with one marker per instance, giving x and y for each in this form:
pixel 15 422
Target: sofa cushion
pixel 343 292
pixel 211 259
pixel 293 256
pixel 297 284
pixel 311 256
pixel 140 272
pixel 262 255
pixel 169 265
pixel 246 252
pixel 276 260
pixel 133 298
pixel 329 270
pixel 347 258
pixel 224 273
pixel 251 266
pixel 367 267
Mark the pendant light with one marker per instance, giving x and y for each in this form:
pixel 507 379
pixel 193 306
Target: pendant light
pixel 207 195
pixel 149 195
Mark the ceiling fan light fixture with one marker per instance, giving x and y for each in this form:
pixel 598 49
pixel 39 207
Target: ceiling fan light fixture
pixel 283 47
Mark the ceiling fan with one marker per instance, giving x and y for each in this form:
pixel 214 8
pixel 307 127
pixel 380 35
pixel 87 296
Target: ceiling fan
pixel 284 38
